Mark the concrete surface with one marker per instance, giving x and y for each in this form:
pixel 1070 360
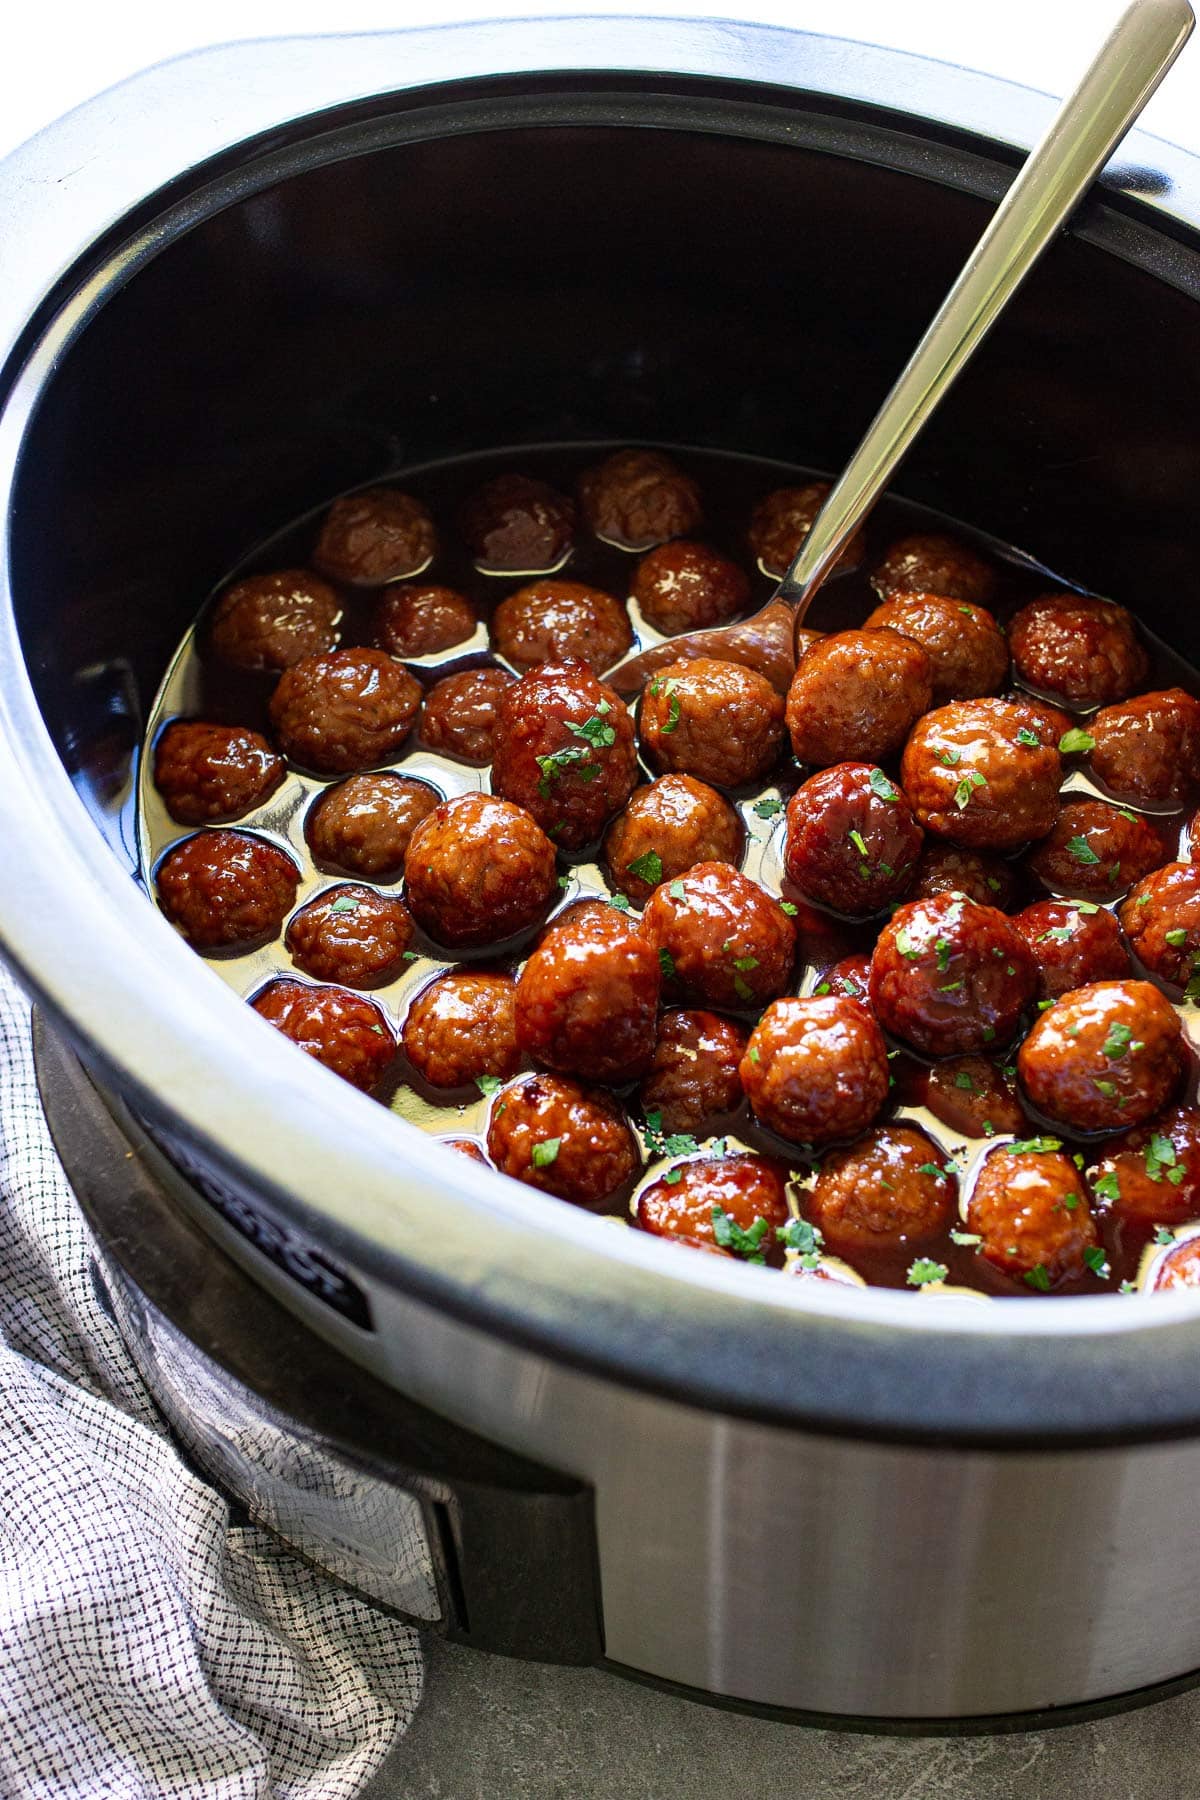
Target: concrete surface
pixel 490 1729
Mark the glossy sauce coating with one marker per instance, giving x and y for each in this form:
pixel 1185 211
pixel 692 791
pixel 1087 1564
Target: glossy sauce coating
pixel 722 940
pixel 950 869
pixel 888 1190
pixel 683 586
pixel 712 719
pixel 638 498
pixel 414 620
pixel 929 562
pixel 1097 851
pixel 351 935
pixel 515 522
pixel 852 840
pixel 1161 919
pixel 1148 749
pixel 964 643
pixel 1031 1214
pixel 697 1202
pixel 223 889
pixel 856 695
pixel 344 711
pixel 555 620
pixel 478 870
pixel 272 621
pixel 461 711
pixel 1072 945
pixel 783 519
pixel 363 825
pixel 949 975
pixel 1104 1057
pixel 816 1069
pixel 1077 650
pixel 568 1140
pixel 667 828
pixel 587 998
pixel 210 773
pixel 693 1075
pixel 345 1032
pixel 1152 1174
pixel 374 536
pixel 564 750
pixel 463 1026
pixel 975 773
pixel 972 1096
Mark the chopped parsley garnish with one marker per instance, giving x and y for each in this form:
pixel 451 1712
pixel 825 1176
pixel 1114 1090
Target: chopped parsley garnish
pixel 745 963
pixel 799 1235
pixel 1082 851
pixel 768 808
pixel 949 987
pixel 676 891
pixel 1107 1088
pixel 881 787
pixel 752 1053
pixel 1107 1188
pixel 1096 1261
pixel 742 988
pixel 1085 906
pixel 620 901
pixel 1161 1159
pixel 1163 1236
pixel 963 1080
pixel 1127 1287
pixel 1025 736
pixel 1076 742
pixel 345 903
pixel 412 956
pixel 673 1176
pixel 925 1271
pixel 488 1085
pixel 1057 934
pixel 1038 1277
pixel 730 1235
pixel 546 1152
pixel 1176 938
pixel 1120 1039
pixel 950 758
pixel 647 867
pixel 673 707
pixel 787 907
pixel 552 766
pixel 1071 1202
pixel 970 781
pixel 857 839
pixel 1039 1146
pixel 905 945
pixel 942 946
pixel 967 1240
pixel 994 883
pixel 594 731
pixel 564 881
pixel 1044 1005
pixel 666 963
pixel 929 1169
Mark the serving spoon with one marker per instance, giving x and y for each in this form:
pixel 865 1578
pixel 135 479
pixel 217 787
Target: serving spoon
pixel 1092 120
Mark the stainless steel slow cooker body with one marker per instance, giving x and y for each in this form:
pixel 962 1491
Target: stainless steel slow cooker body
pixel 259 274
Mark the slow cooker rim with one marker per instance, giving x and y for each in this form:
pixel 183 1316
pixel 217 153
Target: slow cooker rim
pixel 703 1294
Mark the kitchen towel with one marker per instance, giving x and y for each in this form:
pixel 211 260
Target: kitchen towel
pixel 149 1645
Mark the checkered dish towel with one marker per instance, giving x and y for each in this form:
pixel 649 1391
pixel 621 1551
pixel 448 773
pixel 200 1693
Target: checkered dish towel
pixel 148 1647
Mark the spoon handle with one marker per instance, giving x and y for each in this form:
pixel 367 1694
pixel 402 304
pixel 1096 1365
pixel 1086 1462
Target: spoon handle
pixel 1091 122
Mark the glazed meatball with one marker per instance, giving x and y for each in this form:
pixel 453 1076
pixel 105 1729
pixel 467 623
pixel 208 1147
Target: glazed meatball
pixel 565 1139
pixel 721 939
pixel 963 642
pixel 478 870
pixel 1152 1174
pixel 556 621
pixel 1105 1057
pixel 273 621
pixel 850 977
pixel 1029 1209
pixel 1096 851
pixel 226 889
pixel 345 1032
pixel 1081 651
pixel 706 1198
pixel 1072 945
pixel 363 824
pixel 564 750
pixel 815 1069
pixel 351 935
pixel 460 714
pixel 688 587
pixel 888 1190
pixel 587 999
pixel 694 1072
pixel 206 773
pixel 852 841
pixel 344 711
pixel 976 773
pixel 949 975
pixel 415 621
pixel 463 1027
pixel 948 869
pixel 857 695
pixel 667 828
pixel 375 536
pixel 716 720
pixel 1149 748
pixel 514 524
pixel 1162 921
pixel 971 1095
pixel 1050 723
pixel 783 519
pixel 639 498
pixel 1177 1268
pixel 928 563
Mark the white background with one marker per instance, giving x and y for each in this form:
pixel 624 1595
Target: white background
pixel 55 53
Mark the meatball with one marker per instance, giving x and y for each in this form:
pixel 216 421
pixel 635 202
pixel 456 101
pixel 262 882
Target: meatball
pixel 478 870
pixel 514 524
pixel 351 935
pixel 1097 851
pixel 963 642
pixel 363 824
pixel 1050 723
pixel 1072 945
pixel 273 621
pixel 721 939
pixel 1104 1057
pixel 206 773
pixel 460 713
pixel 694 1072
pixel 1178 1267
pixel 564 750
pixel 344 711
pixel 718 721
pixel 565 1139
pixel 949 975
pixel 1149 748
pixel 850 977
pixel 1029 1209
pixel 975 773
pixel 1152 1174
pixel 345 1032
pixel 783 519
pixel 553 621
pixel 734 1203
pixel 1081 651
pixel 226 889
pixel 688 587
pixel 375 536
pixel 1162 921
pixel 888 1190
pixel 667 828
pixel 929 563
pixel 587 999
pixel 816 1069
pixel 463 1027
pixel 948 869
pixel 852 841
pixel 857 694
pixel 415 621
pixel 971 1095
pixel 638 498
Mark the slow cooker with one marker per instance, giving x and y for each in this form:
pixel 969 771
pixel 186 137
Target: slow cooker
pixel 260 274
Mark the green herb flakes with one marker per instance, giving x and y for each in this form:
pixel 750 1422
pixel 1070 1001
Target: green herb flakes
pixel 881 787
pixel 1176 938
pixel 345 903
pixel 1082 851
pixel 1038 1277
pixel 666 963
pixel 1120 1039
pixel 786 906
pixel 1107 1188
pixel 970 781
pixel 1025 736
pixel 950 758
pixel 1076 742
pixel 1096 1261
pixel 488 1085
pixel 924 1272
pixel 1107 1088
pixel 768 808
pixel 730 1236
pixel 963 1080
pixel 1038 1146
pixel 799 1235
pixel 966 1240
pixel 647 867
pixel 594 731
pixel 620 901
pixel 905 945
pixel 546 1152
